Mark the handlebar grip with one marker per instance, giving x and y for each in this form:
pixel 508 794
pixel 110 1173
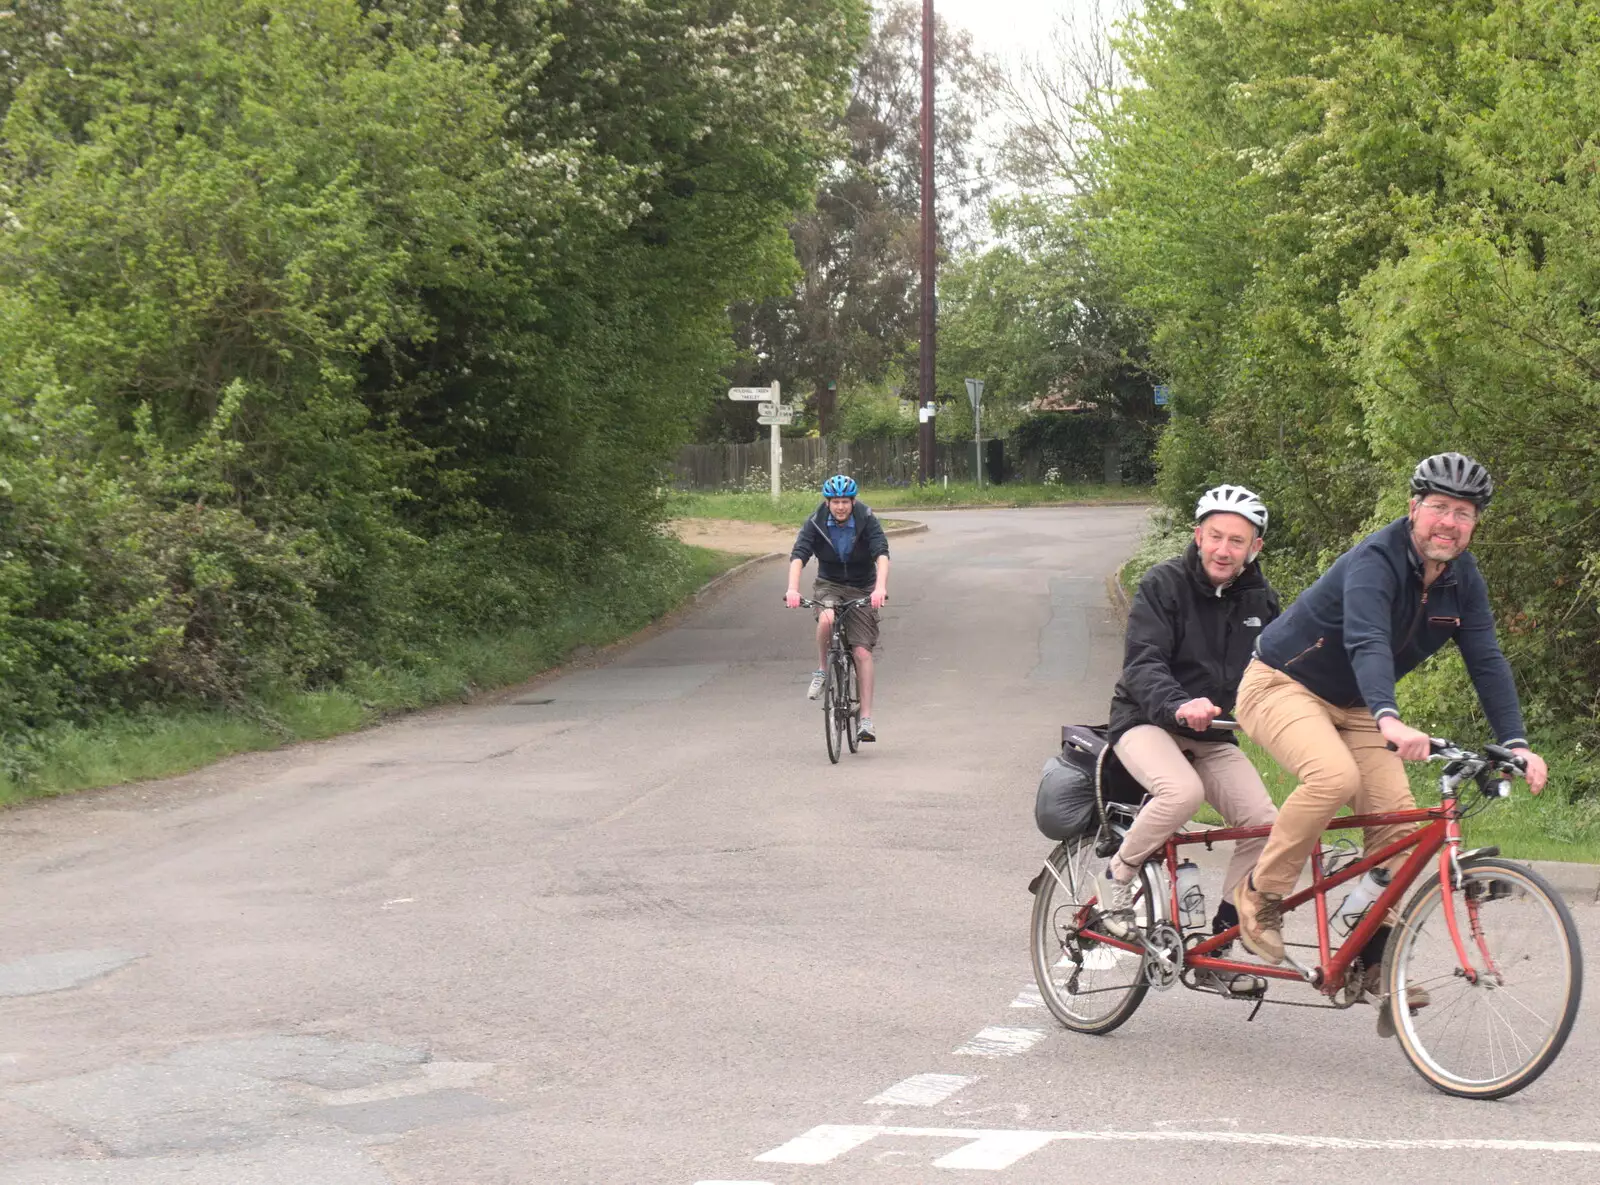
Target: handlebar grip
pixel 1502 754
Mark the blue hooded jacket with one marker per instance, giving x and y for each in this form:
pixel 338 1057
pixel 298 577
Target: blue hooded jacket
pixel 859 569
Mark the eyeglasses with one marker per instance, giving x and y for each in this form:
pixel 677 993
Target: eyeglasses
pixel 1461 515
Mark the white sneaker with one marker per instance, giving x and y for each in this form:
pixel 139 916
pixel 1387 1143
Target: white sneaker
pixel 865 731
pixel 818 678
pixel 1116 905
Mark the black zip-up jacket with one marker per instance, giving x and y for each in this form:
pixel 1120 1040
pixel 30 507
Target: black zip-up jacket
pixel 1368 620
pixel 1186 639
pixel 859 569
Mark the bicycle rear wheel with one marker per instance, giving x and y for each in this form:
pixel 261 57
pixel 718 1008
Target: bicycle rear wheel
pixel 830 713
pixel 1088 985
pixel 1489 1038
pixel 852 701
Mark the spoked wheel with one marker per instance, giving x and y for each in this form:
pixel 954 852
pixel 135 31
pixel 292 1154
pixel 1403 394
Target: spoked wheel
pixel 832 696
pixel 1491 1035
pixel 852 700
pixel 1089 985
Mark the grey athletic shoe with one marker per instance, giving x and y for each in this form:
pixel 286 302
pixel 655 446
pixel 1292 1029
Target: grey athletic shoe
pixel 1116 905
pixel 818 678
pixel 865 731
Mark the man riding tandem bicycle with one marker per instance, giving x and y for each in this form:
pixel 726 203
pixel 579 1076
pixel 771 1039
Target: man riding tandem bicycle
pixel 1479 975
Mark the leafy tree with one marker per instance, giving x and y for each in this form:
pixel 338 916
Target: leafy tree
pixel 853 313
pixel 329 328
pixel 1036 315
pixel 1364 233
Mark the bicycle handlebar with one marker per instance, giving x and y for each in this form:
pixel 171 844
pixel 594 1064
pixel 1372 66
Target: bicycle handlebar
pixel 808 603
pixel 1496 764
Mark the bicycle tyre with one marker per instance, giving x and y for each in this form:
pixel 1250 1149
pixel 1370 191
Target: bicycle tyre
pixel 1518 912
pixel 830 714
pixel 852 699
pixel 1116 986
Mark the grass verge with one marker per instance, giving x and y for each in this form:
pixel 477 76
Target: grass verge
pixel 793 505
pixel 161 743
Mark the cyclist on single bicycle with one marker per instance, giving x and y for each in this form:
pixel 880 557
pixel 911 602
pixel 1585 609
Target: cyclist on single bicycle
pixel 1191 627
pixel 1320 692
pixel 852 562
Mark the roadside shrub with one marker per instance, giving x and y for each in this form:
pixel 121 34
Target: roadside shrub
pixel 1074 445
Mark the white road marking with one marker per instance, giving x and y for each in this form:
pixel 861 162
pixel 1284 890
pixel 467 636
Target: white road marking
pixel 991 1150
pixel 994 1151
pixel 1029 997
pixel 923 1090
pixel 996 1041
pixel 822 1144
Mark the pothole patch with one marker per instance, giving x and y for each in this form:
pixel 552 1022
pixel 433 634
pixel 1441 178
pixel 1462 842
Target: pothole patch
pixel 60 971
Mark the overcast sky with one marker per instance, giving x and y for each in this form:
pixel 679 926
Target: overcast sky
pixel 1006 28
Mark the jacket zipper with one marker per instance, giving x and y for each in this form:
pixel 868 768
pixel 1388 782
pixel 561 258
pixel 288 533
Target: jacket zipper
pixel 1416 621
pixel 1317 645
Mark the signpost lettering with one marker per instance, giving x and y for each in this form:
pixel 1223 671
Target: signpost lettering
pixel 772 413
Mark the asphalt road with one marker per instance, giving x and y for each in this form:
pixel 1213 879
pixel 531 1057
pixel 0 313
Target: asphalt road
pixel 629 925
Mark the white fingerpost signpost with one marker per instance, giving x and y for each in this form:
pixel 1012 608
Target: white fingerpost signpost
pixel 773 412
pixel 975 394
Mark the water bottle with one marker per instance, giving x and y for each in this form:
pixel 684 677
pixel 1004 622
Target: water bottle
pixel 1355 905
pixel 1191 897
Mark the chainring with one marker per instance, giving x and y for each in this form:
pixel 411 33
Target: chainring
pixel 1163 956
pixel 1353 990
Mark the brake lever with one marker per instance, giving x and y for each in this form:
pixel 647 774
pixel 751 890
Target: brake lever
pixel 1505 756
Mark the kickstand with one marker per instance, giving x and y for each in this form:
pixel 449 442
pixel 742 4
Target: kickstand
pixel 1260 1000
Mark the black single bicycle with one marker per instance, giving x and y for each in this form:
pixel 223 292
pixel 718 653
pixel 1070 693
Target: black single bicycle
pixel 841 694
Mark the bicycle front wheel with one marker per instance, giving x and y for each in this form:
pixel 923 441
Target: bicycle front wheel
pixel 852 702
pixel 1490 1035
pixel 1088 985
pixel 830 713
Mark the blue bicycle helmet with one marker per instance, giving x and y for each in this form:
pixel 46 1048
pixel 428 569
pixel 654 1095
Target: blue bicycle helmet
pixel 839 486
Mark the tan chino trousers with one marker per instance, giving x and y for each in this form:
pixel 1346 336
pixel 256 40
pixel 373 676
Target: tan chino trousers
pixel 1338 755
pixel 1180 774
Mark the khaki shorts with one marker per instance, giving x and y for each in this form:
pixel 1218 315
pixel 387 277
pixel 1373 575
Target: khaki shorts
pixel 861 623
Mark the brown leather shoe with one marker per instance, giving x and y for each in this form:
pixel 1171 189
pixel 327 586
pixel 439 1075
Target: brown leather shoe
pixel 1372 983
pixel 1260 921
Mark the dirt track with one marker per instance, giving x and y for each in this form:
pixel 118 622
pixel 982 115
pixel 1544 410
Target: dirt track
pixel 726 534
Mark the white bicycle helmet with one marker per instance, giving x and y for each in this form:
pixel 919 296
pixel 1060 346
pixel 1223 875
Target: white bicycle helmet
pixel 1232 500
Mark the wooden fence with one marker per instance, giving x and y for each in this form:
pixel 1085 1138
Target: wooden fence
pixel 806 460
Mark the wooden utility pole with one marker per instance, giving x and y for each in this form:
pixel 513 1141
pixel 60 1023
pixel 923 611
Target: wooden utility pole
pixel 925 389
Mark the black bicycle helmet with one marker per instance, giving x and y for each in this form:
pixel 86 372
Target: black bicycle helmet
pixel 1454 475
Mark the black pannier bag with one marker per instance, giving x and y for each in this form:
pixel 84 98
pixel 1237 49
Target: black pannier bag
pixel 1066 807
